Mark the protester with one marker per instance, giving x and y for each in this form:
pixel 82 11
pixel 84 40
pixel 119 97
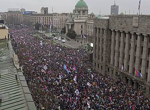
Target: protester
pixel 59 77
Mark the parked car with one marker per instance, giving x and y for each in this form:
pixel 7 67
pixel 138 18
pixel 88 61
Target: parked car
pixel 63 40
pixel 55 38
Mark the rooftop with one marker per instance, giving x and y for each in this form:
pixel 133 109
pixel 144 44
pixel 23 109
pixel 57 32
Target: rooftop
pixel 14 95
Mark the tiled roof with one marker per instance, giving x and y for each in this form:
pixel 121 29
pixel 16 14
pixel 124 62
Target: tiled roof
pixel 15 94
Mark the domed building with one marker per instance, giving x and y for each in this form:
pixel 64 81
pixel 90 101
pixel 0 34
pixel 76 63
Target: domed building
pixel 80 21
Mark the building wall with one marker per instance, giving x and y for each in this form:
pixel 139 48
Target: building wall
pixel 114 10
pixel 89 27
pixel 58 20
pixel 80 28
pixel 44 10
pixel 3 33
pixel 41 19
pixel 27 19
pixel 13 17
pixel 123 42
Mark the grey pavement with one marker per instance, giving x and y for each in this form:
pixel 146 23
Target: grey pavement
pixel 71 43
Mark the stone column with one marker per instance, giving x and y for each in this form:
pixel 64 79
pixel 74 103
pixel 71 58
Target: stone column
pixel 98 34
pixel 66 28
pixel 94 46
pixel 149 71
pixel 101 38
pixel 132 54
pixel 112 48
pixel 97 44
pixel 138 54
pixel 69 26
pixel 126 60
pixel 121 50
pixel 105 54
pixel 117 50
pixel 144 58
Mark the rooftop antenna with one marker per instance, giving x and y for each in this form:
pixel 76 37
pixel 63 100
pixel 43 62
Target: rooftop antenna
pixel 114 2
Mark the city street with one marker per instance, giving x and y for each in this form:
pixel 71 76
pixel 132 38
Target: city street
pixel 69 42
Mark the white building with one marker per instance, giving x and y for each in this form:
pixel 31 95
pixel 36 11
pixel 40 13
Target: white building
pixel 80 21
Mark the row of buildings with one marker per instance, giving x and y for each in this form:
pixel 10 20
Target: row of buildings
pixel 80 20
pixel 31 17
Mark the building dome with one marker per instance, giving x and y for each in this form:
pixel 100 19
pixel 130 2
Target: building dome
pixel 81 4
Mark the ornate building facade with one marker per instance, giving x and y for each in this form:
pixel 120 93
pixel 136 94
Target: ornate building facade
pixel 80 21
pixel 122 48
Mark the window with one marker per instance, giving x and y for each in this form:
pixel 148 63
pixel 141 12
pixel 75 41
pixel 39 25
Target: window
pixel 134 59
pixel 128 68
pixel 147 64
pixel 130 37
pixel 136 37
pixel 148 51
pixel 141 61
pixel 112 71
pixel 141 50
pixel 129 47
pixel 148 38
pixel 83 12
pixel 146 76
pixel 142 38
pixel 135 48
pixel 98 66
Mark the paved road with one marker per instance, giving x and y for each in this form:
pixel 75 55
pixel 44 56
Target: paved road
pixel 69 43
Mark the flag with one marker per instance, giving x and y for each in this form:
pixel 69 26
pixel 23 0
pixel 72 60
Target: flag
pixel 74 68
pixel 65 68
pixel 88 84
pixel 133 107
pixel 68 70
pixel 75 79
pixel 50 23
pixel 81 36
pixel 46 88
pixel 45 67
pixel 110 98
pixel 84 36
pixel 122 68
pixel 110 90
pixel 42 21
pixel 139 5
pixel 138 73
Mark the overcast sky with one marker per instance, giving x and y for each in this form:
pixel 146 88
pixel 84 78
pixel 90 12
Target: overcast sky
pixel 96 6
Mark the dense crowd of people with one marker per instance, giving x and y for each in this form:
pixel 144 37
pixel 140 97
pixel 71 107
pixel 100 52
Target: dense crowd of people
pixel 61 78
